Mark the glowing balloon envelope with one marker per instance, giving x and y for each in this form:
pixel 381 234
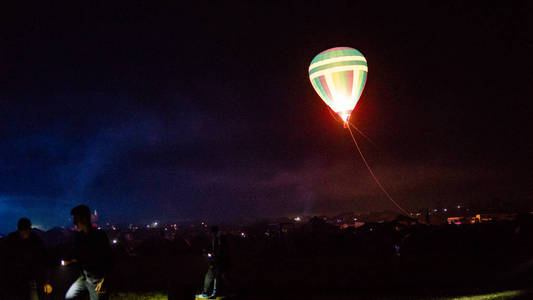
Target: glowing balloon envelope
pixel 339 76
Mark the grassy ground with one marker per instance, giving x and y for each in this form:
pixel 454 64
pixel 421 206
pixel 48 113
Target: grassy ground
pixel 321 278
pixel 503 295
pixel 318 277
pixel 139 296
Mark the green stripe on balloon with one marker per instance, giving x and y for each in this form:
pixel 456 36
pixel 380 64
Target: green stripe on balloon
pixel 320 90
pixel 336 53
pixel 326 88
pixel 338 64
pixel 361 83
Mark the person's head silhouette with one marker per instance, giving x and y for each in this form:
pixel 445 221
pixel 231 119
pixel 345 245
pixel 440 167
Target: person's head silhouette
pixel 24 228
pixel 82 217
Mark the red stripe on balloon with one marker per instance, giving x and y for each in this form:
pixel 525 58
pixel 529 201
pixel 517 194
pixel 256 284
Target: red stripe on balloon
pixel 324 85
pixel 349 83
pixel 335 49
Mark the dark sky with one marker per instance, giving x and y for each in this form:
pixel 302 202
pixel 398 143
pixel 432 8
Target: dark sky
pixel 168 111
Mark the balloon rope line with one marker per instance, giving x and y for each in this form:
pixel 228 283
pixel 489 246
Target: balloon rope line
pixel 374 176
pixel 336 118
pixel 363 135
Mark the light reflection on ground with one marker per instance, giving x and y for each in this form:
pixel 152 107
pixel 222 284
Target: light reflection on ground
pixel 499 295
pixel 491 296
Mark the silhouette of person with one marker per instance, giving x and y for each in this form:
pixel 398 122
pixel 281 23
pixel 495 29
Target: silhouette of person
pixel 92 252
pixel 397 239
pixel 218 263
pixel 25 262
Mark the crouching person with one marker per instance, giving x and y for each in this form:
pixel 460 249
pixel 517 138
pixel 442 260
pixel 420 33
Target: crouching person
pixel 92 252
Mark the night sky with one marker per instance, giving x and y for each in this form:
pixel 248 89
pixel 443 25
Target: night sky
pixel 169 111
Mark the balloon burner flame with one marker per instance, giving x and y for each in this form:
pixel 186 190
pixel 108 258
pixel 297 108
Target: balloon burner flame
pixel 345 116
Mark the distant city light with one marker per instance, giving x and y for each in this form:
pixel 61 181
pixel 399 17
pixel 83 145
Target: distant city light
pixel 445 209
pixel 435 210
pixel 115 241
pixel 243 234
pixel 155 224
pixel 458 206
pixel 355 219
pixel 62 262
pixel 38 226
pixel 297 219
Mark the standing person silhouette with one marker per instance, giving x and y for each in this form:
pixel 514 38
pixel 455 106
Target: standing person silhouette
pixel 218 264
pixel 92 252
pixel 26 263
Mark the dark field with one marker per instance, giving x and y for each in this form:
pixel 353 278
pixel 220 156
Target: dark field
pixel 322 262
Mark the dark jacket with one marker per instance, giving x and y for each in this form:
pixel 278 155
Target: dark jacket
pixel 219 250
pixel 93 253
pixel 24 259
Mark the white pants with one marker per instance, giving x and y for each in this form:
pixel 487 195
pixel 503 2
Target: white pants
pixel 82 284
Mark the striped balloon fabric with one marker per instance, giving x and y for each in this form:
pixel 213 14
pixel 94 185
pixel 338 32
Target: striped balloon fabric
pixel 338 76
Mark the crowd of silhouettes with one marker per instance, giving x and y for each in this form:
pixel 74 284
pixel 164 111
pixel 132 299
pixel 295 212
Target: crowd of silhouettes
pixel 26 264
pixel 279 251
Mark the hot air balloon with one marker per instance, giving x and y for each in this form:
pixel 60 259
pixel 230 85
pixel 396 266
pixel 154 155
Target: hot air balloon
pixel 338 76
